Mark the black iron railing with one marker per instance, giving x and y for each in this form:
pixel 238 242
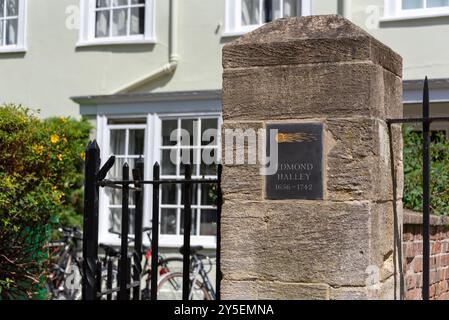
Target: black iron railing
pixel 128 278
pixel 426 121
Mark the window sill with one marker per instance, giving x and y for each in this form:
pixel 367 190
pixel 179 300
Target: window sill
pixel 13 49
pixel 239 32
pixel 414 17
pixel 108 42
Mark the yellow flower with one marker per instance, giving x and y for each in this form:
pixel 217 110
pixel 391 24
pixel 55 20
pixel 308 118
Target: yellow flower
pixel 63 119
pixel 59 156
pixel 83 155
pixel 38 149
pixel 54 138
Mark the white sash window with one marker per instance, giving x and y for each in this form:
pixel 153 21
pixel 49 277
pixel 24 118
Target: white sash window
pixel 150 138
pixel 12 25
pixel 246 15
pixel 409 9
pixel 116 21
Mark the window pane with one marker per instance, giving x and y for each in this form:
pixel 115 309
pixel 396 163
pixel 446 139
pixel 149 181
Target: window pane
pixel 168 221
pixel 209 194
pixel 210 127
pixel 290 8
pixel 120 3
pixel 250 12
pixel 103 3
pixel 102 24
pixel 11 31
pixel 188 126
pixel 119 22
pixel 2 8
pixel 1 33
pixel 115 220
pixel 437 3
pixel 169 193
pixel 188 156
pixel 137 1
pixel 168 126
pixel 193 230
pixel 208 223
pixel 137 21
pixel 12 8
pixel 136 142
pixel 209 169
pixel 168 167
pixel 412 4
pixel 116 171
pixel 115 196
pixel 117 143
pixel 277 9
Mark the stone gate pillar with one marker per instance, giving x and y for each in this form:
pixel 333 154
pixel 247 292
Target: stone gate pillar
pixel 325 225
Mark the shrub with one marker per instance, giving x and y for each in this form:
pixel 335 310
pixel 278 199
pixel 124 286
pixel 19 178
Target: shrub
pixel 40 177
pixel 439 172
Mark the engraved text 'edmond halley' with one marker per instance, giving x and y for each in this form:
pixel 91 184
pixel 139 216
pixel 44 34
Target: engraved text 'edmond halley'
pixel 300 162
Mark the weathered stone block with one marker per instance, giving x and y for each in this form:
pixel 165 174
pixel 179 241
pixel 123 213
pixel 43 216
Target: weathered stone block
pixel 309 40
pixel 273 290
pixel 303 91
pixel 292 241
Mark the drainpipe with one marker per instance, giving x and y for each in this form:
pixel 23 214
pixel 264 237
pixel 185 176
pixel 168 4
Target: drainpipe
pixel 173 56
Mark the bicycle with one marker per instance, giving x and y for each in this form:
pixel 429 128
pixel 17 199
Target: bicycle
pixel 170 286
pixel 64 280
pixel 165 265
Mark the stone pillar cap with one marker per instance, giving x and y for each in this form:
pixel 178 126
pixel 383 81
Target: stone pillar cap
pixel 308 40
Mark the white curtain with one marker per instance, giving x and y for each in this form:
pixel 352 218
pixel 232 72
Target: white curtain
pixel 119 22
pixel 102 24
pixel 137 20
pixel 11 31
pixel 1 32
pixel 12 8
pixel 291 8
pixel 250 12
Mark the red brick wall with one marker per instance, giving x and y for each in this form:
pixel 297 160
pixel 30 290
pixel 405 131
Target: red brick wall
pixel 439 259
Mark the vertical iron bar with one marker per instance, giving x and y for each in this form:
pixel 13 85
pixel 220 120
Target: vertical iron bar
pixel 187 226
pixel 109 279
pixel 137 271
pixel 155 232
pixel 124 236
pixel 218 255
pixel 119 273
pixel 128 278
pixel 90 222
pixel 426 192
pixel 99 267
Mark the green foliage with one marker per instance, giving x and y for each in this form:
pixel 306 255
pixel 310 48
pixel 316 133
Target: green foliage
pixel 40 177
pixel 439 173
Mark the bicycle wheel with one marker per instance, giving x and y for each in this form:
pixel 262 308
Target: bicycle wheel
pixel 170 288
pixel 165 266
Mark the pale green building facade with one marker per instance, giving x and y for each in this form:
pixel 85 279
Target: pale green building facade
pixel 139 68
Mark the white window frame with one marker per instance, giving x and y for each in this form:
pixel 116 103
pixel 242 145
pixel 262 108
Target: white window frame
pixel 87 27
pixel 20 46
pixel 393 11
pixel 233 12
pixel 152 153
pixel 177 240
